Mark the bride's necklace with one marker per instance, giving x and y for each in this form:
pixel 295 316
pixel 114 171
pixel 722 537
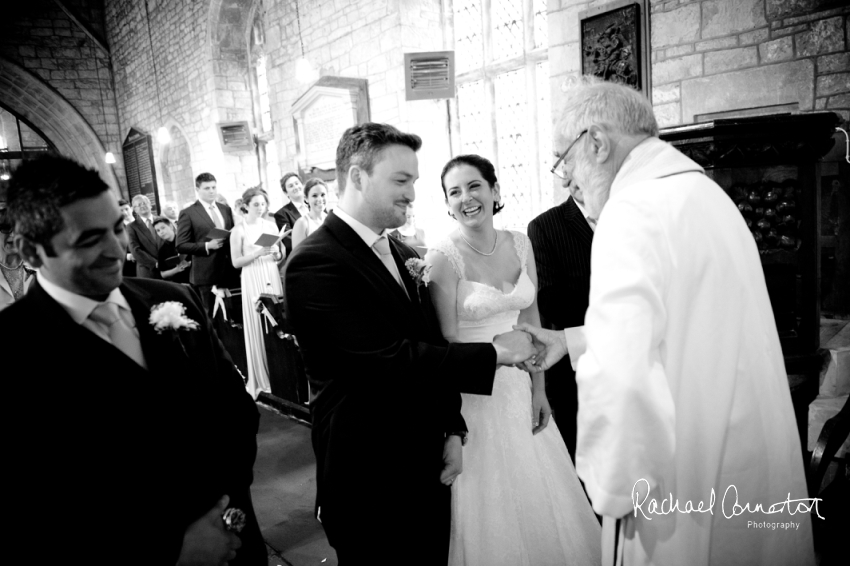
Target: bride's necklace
pixel 496 241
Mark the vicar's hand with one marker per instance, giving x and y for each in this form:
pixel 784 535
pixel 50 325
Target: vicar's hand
pixel 513 348
pixel 552 343
pixel 452 459
pixel 206 542
pixel 541 411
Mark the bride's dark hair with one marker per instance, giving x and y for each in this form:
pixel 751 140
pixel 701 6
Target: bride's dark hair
pixel 484 167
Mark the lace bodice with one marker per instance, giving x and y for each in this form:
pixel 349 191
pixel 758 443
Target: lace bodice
pixel 481 308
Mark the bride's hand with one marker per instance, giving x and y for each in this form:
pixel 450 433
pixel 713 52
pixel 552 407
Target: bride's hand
pixel 541 411
pixel 452 460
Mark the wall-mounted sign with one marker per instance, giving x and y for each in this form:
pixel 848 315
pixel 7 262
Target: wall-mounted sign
pixel 323 113
pixel 139 166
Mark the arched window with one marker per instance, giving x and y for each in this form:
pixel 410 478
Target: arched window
pixel 267 148
pixel 503 98
pixel 19 140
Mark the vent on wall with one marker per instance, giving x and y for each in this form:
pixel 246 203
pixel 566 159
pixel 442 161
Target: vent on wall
pixel 429 75
pixel 235 137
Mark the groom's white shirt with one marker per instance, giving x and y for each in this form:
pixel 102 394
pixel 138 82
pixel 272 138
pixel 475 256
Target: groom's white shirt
pixel 80 308
pixel 368 236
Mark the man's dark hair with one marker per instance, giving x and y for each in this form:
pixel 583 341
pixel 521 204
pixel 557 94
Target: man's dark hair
pixel 484 167
pixel 204 178
pixel 287 177
pixel 361 144
pixel 40 187
pixel 122 202
pixel 162 220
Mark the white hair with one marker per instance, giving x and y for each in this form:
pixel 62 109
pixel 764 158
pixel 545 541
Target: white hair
pixel 608 104
pixel 140 197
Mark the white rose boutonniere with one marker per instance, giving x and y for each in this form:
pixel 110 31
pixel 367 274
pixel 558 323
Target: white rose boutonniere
pixel 420 270
pixel 170 316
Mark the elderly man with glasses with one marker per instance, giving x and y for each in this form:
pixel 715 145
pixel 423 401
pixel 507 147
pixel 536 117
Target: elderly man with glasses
pixel 687 442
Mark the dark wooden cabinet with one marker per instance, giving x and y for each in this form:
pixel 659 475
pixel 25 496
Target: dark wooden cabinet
pixel 769 166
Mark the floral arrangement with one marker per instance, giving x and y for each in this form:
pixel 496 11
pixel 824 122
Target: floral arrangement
pixel 170 316
pixel 420 270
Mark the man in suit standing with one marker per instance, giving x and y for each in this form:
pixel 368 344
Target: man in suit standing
pixel 158 435
pixel 372 346
pixel 130 264
pixel 144 243
pixel 293 210
pixel 211 263
pixel 561 238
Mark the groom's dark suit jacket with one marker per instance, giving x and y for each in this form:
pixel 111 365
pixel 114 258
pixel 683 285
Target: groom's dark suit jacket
pixel 561 239
pixel 107 460
pixel 288 214
pixel 386 388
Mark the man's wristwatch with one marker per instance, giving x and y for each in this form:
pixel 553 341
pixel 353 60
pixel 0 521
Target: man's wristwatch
pixel 461 433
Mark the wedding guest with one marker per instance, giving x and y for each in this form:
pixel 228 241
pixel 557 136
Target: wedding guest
pixel 238 205
pixel 409 233
pixel 144 243
pixel 15 277
pixel 293 210
pixel 153 473
pixel 129 269
pixel 483 281
pixel 170 210
pixel 211 265
pixel 682 388
pixel 316 192
pixel 561 239
pixel 369 338
pixel 259 275
pixel 172 266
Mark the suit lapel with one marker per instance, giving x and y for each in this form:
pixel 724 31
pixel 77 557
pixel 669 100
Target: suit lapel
pixel 365 258
pixel 225 215
pixel 576 219
pixel 203 214
pixel 145 234
pixel 293 212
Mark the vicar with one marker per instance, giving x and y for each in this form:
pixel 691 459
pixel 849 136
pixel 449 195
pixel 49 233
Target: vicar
pixel 682 389
pixel 124 439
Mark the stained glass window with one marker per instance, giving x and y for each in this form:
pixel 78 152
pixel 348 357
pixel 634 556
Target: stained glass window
pixel 518 116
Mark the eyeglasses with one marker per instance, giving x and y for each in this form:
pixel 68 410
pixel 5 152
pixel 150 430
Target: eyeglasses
pixel 557 172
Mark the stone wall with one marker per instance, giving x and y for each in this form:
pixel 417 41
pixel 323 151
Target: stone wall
pixel 57 78
pixel 716 56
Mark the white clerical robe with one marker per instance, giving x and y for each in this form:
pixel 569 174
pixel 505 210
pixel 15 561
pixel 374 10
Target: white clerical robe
pixel 682 389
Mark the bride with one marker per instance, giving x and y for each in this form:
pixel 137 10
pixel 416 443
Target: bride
pixel 518 500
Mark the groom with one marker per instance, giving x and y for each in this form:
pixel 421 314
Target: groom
pixel 387 428
pixel 120 440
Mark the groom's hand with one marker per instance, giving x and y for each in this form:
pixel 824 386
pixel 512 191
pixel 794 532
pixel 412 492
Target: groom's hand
pixel 452 459
pixel 552 343
pixel 513 348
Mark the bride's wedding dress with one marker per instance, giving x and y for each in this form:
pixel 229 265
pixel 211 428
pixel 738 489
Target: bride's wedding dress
pixel 518 501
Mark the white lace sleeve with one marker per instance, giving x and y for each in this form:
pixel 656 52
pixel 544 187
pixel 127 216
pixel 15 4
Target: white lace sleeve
pixel 521 244
pixel 448 249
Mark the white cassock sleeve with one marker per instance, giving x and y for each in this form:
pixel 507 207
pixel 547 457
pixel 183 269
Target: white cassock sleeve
pixel 626 419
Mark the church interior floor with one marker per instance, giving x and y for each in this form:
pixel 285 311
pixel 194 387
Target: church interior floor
pixel 284 492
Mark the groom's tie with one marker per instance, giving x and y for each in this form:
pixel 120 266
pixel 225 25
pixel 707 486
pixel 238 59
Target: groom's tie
pixel 121 335
pixel 382 246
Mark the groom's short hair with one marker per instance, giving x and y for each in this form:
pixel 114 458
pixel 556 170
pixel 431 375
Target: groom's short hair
pixel 361 144
pixel 40 187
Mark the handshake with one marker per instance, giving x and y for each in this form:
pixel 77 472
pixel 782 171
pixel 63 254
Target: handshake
pixel 529 347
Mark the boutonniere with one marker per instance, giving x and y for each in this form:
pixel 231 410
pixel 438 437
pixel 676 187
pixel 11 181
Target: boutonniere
pixel 420 270
pixel 170 316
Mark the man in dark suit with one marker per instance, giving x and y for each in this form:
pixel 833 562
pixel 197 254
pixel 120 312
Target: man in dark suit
pixel 144 243
pixel 143 435
pixel 130 264
pixel 372 348
pixel 293 210
pixel 211 263
pixel 561 238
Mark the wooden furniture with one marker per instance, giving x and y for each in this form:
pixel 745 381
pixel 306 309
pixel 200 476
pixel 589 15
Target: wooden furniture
pixel 229 329
pixel 769 167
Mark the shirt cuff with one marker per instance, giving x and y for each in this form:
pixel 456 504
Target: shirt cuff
pixel 576 343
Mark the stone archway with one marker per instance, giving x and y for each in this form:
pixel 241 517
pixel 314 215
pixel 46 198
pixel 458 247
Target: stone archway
pixel 176 163
pixel 35 101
